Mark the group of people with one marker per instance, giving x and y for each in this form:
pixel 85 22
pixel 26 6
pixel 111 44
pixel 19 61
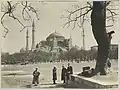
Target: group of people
pixel 64 74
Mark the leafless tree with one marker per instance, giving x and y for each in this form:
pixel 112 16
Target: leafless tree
pixel 99 13
pixel 9 8
pixel 80 15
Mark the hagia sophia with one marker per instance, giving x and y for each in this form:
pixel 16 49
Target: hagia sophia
pixel 54 43
pixel 54 48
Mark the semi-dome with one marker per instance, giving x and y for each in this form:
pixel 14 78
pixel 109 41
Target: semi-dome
pixel 55 34
pixel 75 47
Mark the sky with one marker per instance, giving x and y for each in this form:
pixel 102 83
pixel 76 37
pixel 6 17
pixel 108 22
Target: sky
pixel 50 21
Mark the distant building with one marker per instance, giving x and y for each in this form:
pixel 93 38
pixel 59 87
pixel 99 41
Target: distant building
pixel 55 43
pixel 4 56
pixel 112 47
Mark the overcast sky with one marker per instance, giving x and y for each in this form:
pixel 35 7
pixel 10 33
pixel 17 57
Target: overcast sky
pixel 50 21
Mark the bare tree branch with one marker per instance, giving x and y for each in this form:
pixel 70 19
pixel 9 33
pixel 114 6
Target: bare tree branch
pixel 86 9
pixel 30 8
pixel 112 15
pixel 25 10
pixel 80 9
pixel 9 9
pixel 6 32
pixel 6 29
pixel 24 28
pixel 89 4
pixel 79 25
pixel 107 3
pixel 76 18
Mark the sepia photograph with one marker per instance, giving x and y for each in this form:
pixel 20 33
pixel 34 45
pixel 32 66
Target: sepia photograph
pixel 70 44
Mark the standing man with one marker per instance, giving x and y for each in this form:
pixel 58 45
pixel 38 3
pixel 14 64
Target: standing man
pixel 36 77
pixel 54 75
pixel 63 74
pixel 69 71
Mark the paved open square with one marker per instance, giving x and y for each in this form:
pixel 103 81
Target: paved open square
pixel 23 74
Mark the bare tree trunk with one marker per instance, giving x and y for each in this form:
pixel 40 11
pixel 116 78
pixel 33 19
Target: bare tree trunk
pixel 98 23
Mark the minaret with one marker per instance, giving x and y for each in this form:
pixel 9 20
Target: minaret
pixel 27 46
pixel 83 35
pixel 33 36
pixel 70 41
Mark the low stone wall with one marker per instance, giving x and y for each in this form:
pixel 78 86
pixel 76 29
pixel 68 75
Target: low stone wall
pixel 82 82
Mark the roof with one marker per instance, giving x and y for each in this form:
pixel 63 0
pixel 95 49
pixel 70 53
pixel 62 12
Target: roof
pixel 75 47
pixel 55 34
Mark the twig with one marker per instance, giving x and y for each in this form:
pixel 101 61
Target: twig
pixel 11 8
pixel 77 17
pixel 89 4
pixel 107 3
pixel 24 10
pixel 112 14
pixel 6 29
pixel 24 28
pixel 33 10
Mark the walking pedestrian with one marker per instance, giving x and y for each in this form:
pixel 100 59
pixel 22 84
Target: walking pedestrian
pixel 36 77
pixel 54 75
pixel 63 74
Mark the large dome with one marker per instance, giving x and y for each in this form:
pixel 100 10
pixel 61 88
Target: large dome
pixel 55 34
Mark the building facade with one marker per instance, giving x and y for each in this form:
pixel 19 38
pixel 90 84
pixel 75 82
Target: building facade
pixel 54 42
pixel 112 47
pixel 113 52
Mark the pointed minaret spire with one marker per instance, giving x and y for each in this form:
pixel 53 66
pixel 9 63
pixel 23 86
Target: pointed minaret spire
pixel 70 41
pixel 33 35
pixel 27 36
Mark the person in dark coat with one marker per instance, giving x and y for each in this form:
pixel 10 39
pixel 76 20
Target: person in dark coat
pixel 69 71
pixel 63 74
pixel 36 77
pixel 109 63
pixel 54 75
